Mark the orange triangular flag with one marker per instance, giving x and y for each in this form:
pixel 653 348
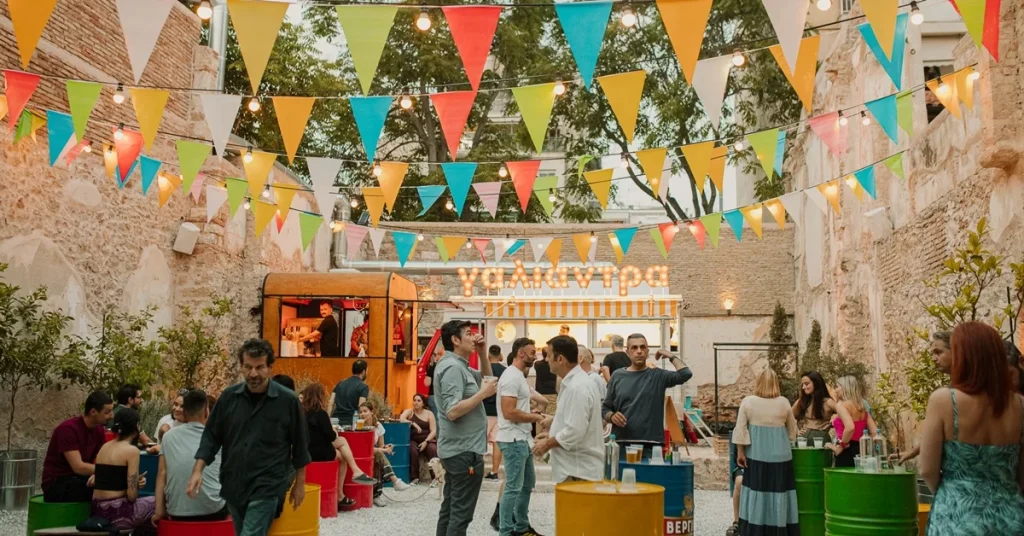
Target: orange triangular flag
pixel 29 17
pixel 262 213
pixel 283 195
pixel 257 171
pixel 616 247
pixel 881 15
pixel 801 78
pixel 453 244
pixel 965 87
pixel 453 109
pixel 554 251
pixel 777 210
pixel 110 161
pixel 3 106
pixel 582 241
pixel 256 27
pixel 830 190
pixel 20 87
pixel 717 168
pixel 698 156
pixel 374 199
pixel 685 21
pixel 753 214
pixel 166 183
pixel 390 180
pixel 623 92
pixel 600 182
pixel 858 190
pixel 292 116
pixel 653 161
pixel 946 92
pixel 149 110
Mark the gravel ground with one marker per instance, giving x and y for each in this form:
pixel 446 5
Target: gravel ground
pixel 418 515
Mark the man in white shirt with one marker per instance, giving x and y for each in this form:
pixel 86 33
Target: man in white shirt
pixel 515 441
pixel 576 438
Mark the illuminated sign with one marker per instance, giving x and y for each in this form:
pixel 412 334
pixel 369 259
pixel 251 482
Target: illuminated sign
pixel 558 278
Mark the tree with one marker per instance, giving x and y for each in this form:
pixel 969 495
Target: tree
pixel 812 350
pixel 196 358
pixel 123 354
pixel 779 358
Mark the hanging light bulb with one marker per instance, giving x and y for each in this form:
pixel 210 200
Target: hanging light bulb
pixel 824 5
pixel 469 245
pixel 503 171
pixel 423 21
pixel 254 104
pixel 842 119
pixel 738 146
pixel 377 170
pixel 88 147
pixel 864 119
pixel 593 237
pixel 248 155
pixel 406 101
pixel 916 17
pixel 974 76
pixel 628 17
pixel 559 88
pixel 419 237
pixel 119 94
pixel 738 59
pixel 266 192
pixel 449 205
pixel 551 195
pixel 354 203
pixel 332 225
pixel 204 11
pixel 675 227
pixel 246 205
pixel 119 133
pixel 624 162
pixel 943 87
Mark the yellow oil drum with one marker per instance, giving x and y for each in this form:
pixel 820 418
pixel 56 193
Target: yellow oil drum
pixel 305 521
pixel 597 509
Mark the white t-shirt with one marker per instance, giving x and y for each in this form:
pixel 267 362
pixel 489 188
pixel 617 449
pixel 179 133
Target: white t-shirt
pixel 166 419
pixel 378 433
pixel 513 383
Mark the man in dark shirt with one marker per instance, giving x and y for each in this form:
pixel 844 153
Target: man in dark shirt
pixel 429 379
pixel 130 396
pixel 490 407
pixel 71 455
pixel 349 394
pixel 259 429
pixel 615 360
pixel 546 384
pixel 326 333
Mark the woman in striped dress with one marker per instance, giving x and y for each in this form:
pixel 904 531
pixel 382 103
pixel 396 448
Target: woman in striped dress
pixel 765 426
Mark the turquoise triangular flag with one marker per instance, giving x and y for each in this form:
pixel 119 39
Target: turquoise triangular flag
pixel 735 220
pixel 884 110
pixel 625 237
pixel 404 243
pixel 429 196
pixel 893 66
pixel 60 130
pixel 150 167
pixel 866 178
pixel 117 174
pixel 583 24
pixel 370 113
pixel 460 177
pixel 515 247
pixel 895 164
pixel 780 152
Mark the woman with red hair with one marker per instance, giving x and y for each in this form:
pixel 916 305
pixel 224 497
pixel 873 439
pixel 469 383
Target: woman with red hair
pixel 971 441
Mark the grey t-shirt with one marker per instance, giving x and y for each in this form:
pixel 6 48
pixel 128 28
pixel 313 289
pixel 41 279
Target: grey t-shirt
pixel 640 396
pixel 455 381
pixel 178 449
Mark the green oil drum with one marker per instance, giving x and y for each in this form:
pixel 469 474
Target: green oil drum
pixel 870 504
pixel 44 515
pixel 809 469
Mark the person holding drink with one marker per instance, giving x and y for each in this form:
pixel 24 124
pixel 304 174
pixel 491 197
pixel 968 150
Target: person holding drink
pixel 814 408
pixel 381 465
pixel 853 421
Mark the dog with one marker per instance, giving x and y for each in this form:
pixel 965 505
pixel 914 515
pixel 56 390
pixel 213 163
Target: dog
pixel 438 470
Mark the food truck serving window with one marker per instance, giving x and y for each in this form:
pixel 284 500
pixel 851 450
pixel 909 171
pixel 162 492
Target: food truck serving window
pixel 323 327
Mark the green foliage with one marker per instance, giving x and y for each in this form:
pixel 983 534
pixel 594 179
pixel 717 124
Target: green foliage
pixel 964 279
pixel 889 406
pixel 382 409
pixel 812 349
pixel 833 364
pixel 780 360
pixel 122 354
pixel 196 357
pixel 35 352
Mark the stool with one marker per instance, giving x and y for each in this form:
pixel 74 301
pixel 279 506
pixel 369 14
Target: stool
pixel 304 521
pixel 326 475
pixel 196 528
pixel 44 515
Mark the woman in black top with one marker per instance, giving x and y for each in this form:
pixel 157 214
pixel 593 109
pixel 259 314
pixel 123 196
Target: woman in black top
pixel 325 444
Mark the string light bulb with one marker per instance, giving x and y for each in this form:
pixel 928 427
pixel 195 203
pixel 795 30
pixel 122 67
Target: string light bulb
pixel 248 155
pixel 266 192
pixel 943 87
pixel 628 17
pixel 205 11
pixel 675 227
pixel 423 21
pixel 503 171
pixel 738 145
pixel 842 119
pixel 864 119
pixel 449 205
pixel 738 59
pixel 246 205
pixel 419 237
pixel 559 88
pixel 119 94
pixel 254 104
pixel 119 133
pixel 406 101
pixel 824 5
pixel 916 17
pixel 974 76
pixel 377 170
pixel 593 237
pixel 354 203
pixel 551 195
pixel 332 225
pixel 469 245
pixel 88 147
pixel 624 161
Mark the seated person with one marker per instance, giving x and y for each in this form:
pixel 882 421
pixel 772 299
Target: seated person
pixel 176 462
pixel 130 396
pixel 117 480
pixel 174 418
pixel 381 465
pixel 325 444
pixel 423 433
pixel 70 456
pixel 285 381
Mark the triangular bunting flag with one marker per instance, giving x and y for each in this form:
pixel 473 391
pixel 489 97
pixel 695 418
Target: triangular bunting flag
pixel 866 178
pixel 501 245
pixel 257 171
pixel 128 149
pixel 623 92
pixel 625 237
pixel 891 63
pixel 716 171
pixel 38 122
pixel 616 248
pixel 366 29
pixel 167 184
pixel 481 246
pixel 815 195
pixel 29 17
pixel 895 164
pixel 780 152
pixel 256 27
pixel 832 134
pixel 698 157
pixel 794 205
pixel 788 18
pixel 262 213
pixel 535 104
pixel 582 163
pixel 583 24
pixel 428 196
pixel 881 15
pixel 442 250
pixel 777 210
pixel 3 106
pixel 404 244
pixel 544 186
pixel 141 23
pixel 489 193
pixel 377 238
pixel 197 188
pixel 709 81
pixel 765 143
pixel 60 134
pixel 322 173
pixel 965 87
pixel 453 110
pixel 292 117
pixel 684 22
pixel 309 224
pixel 150 167
pixel 858 190
pixel 735 220
pixel 82 98
pixel 109 160
pixel 973 13
pixel 191 156
pixel 215 198
pixel 885 112
pixel 390 180
pixel 472 30
pixel 236 194
pixel 668 234
pixel 354 236
pixel 459 176
pixel 523 175
pixel 539 246
pixel 653 163
pixel 370 114
pixel 753 215
pixel 76 150
pixel 830 191
pixel 802 77
pixel 712 223
pixel 697 230
pixel 149 110
pixel 991 36
pixel 220 111
pixel 283 196
pixel 600 182
pixel 516 246
pixel 659 242
pixel 905 111
pixel 453 244
pixel 20 87
pixel 374 199
pixel 583 242
pixel 946 93
pixel 554 251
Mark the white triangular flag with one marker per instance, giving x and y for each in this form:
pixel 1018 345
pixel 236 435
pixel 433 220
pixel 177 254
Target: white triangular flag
pixel 709 80
pixel 788 18
pixel 220 111
pixel 539 246
pixel 322 172
pixel 794 205
pixel 289 239
pixel 819 199
pixel 376 237
pixel 215 198
pixel 141 23
pixel 501 246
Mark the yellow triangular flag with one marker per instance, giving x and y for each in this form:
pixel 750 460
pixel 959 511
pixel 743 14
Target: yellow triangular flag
pixel 292 116
pixel 262 212
pixel 393 173
pixel 257 171
pixel 858 190
pixel 374 199
pixel 110 161
pixel 283 195
pixel 830 190
pixel 698 156
pixel 29 17
pixel 554 251
pixel 652 161
pixel 453 244
pixel 616 247
pixel 583 243
pixel 965 87
pixel 881 16
pixel 623 92
pixel 166 183
pixel 38 122
pixel 802 79
pixel 685 21
pixel 717 168
pixel 944 89
pixel 777 210
pixel 256 27
pixel 600 182
pixel 753 214
pixel 149 110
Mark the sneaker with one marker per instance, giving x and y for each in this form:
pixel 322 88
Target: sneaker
pixel 491 476
pixel 365 480
pixel 379 501
pixel 399 485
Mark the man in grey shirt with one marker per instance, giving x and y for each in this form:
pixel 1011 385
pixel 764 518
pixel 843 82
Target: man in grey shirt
pixel 176 461
pixel 462 424
pixel 635 400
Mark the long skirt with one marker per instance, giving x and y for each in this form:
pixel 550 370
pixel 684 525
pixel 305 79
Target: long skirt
pixel 768 501
pixel 124 514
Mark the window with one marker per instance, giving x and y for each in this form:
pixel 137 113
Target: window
pixel 847 5
pixel 650 329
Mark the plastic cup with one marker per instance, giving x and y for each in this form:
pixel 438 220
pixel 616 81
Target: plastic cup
pixel 634 454
pixel 360 424
pixel 858 463
pixel 819 442
pixel 628 480
pixel 657 457
pixel 801 442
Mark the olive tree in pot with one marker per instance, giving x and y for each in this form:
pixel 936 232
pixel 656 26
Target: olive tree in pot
pixel 35 353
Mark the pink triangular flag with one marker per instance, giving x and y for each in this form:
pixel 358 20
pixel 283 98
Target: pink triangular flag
pixel 354 236
pixel 472 30
pixel 489 193
pixel 453 110
pixel 481 245
pixel 523 174
pixel 833 134
pixel 197 187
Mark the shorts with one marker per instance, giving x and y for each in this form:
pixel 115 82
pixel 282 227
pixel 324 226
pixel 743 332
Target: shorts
pixel 492 429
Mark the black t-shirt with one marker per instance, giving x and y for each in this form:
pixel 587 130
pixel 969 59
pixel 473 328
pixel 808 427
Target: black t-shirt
pixel 545 378
pixel 616 360
pixel 430 374
pixel 321 436
pixel 329 337
pixel 346 398
pixel 490 403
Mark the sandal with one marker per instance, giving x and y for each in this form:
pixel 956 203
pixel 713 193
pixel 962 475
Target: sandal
pixel 346 502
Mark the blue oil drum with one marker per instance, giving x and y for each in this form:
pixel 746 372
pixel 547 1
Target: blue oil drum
pixel 397 434
pixel 149 464
pixel 678 483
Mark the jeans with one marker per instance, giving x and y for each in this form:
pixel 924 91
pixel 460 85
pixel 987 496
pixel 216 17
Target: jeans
pixel 464 474
pixel 254 518
pixel 519 482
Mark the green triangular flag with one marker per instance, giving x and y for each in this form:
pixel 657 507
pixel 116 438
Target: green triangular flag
pixel 765 143
pixel 905 111
pixel 582 163
pixel 535 104
pixel 659 241
pixel 309 224
pixel 366 30
pixel 24 126
pixel 81 100
pixel 895 164
pixel 973 14
pixel 712 223
pixel 442 249
pixel 543 186
pixel 236 193
pixel 191 156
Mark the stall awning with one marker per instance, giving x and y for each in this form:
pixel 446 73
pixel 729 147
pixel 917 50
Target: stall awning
pixel 611 308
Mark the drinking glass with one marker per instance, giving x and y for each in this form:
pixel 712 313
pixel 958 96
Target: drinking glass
pixel 819 442
pixel 657 457
pixel 858 463
pixel 801 442
pixel 628 480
